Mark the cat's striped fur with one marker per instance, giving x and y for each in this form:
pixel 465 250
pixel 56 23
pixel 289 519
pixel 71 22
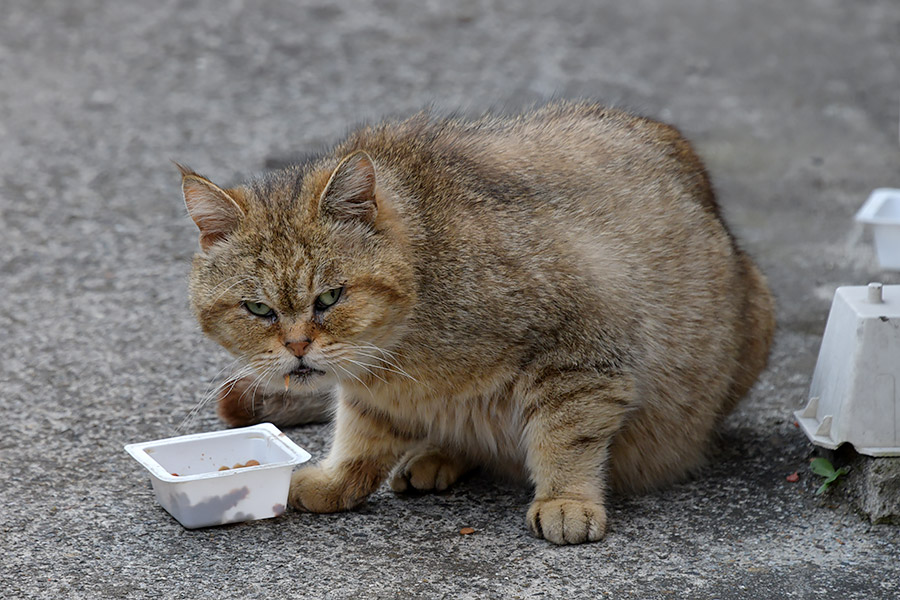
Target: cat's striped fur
pixel 554 294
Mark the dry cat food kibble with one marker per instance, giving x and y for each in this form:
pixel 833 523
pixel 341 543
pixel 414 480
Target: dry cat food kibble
pixel 249 463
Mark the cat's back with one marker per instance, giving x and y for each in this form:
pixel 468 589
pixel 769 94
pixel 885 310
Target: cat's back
pixel 565 160
pixel 617 199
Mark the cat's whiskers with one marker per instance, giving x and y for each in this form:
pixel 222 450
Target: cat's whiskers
pixel 393 368
pixel 263 375
pixel 354 377
pixel 233 278
pixel 367 369
pixel 387 357
pixel 254 387
pixel 226 290
pixel 210 393
pixel 380 349
pixel 209 386
pixel 226 386
pixel 371 346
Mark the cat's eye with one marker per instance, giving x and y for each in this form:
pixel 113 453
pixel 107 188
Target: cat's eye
pixel 328 298
pixel 259 309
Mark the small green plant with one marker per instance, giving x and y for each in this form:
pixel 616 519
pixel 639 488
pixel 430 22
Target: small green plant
pixel 824 468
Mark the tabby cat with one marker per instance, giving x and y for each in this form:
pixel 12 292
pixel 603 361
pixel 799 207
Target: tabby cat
pixel 553 295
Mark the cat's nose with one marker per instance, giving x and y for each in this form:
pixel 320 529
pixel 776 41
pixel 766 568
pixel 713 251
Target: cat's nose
pixel 297 347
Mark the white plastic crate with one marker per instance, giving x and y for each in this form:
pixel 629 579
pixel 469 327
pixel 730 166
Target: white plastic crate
pixel 853 396
pixel 882 212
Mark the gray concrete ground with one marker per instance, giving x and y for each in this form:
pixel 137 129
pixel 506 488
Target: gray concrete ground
pixel 793 104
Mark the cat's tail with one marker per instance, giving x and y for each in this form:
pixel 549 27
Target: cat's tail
pixel 243 402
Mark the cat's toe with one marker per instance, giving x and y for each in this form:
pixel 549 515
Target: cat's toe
pixel 431 471
pixel 567 521
pixel 400 483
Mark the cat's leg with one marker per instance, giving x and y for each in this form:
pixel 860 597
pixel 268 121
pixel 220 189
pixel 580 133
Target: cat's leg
pixel 246 402
pixel 426 468
pixel 570 420
pixel 365 448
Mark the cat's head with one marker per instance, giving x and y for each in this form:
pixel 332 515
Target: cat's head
pixel 302 272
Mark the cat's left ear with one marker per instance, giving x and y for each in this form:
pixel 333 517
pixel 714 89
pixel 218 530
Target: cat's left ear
pixel 350 193
pixel 215 211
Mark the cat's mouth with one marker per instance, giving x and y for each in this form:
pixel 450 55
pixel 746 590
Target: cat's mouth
pixel 304 372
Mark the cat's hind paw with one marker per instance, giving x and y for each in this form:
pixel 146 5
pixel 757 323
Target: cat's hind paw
pixel 236 406
pixel 427 471
pixel 567 521
pixel 245 401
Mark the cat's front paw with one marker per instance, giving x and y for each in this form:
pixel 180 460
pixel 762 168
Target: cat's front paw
pixel 427 471
pixel 319 490
pixel 314 489
pixel 567 520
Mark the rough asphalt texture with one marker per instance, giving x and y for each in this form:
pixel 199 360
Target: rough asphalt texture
pixel 793 104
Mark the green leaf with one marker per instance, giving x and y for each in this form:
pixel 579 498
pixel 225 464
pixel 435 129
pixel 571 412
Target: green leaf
pixel 821 466
pixel 824 468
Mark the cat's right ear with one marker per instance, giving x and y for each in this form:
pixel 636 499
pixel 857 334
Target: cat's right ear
pixel 350 192
pixel 214 211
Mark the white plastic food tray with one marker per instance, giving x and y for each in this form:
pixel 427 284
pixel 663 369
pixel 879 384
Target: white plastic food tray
pixel 187 481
